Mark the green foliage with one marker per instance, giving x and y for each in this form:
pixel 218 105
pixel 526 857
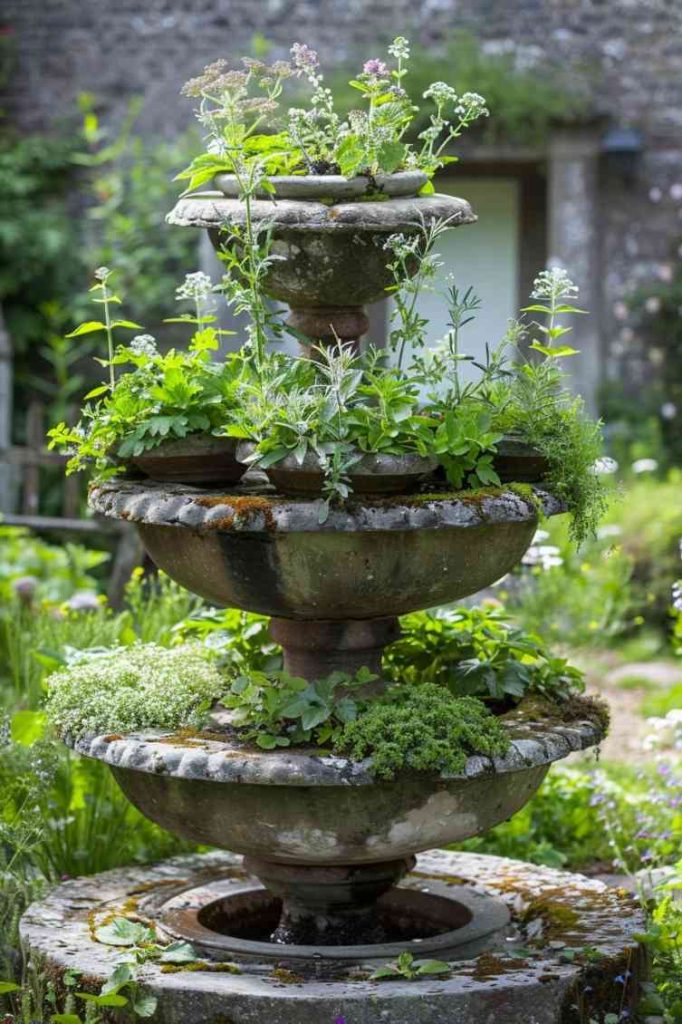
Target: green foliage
pixel 406 968
pixel 663 939
pixel 143 686
pixel 163 397
pixel 278 710
pixel 585 600
pixel 422 729
pixel 241 639
pixel 477 652
pixel 246 132
pixel 524 101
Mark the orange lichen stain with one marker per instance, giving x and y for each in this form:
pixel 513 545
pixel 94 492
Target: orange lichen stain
pixel 112 737
pixel 241 508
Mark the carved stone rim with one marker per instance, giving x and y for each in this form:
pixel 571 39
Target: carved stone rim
pixel 329 186
pixel 156 752
pixel 214 210
pixel 245 510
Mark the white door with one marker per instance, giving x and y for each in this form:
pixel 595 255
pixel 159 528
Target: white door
pixel 484 255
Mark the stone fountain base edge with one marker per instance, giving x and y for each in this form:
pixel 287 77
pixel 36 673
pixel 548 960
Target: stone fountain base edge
pixel 567 954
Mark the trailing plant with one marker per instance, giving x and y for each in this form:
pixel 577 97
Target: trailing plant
pixel 239 111
pixel 533 403
pixel 422 729
pixel 477 652
pixel 164 396
pixel 143 686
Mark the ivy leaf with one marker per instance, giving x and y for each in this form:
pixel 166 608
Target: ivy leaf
pixel 179 953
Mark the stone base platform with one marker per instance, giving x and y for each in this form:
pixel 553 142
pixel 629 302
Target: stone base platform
pixel 560 949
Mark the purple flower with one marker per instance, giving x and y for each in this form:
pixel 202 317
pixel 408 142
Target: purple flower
pixel 303 57
pixel 340 1020
pixel 375 67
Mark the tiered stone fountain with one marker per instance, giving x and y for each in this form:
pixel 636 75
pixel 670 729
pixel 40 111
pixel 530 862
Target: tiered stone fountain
pixel 327 889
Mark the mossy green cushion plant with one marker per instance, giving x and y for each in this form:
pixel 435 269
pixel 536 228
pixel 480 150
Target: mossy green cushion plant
pixel 141 687
pixel 423 729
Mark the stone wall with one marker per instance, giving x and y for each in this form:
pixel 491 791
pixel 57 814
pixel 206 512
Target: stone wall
pixel 629 51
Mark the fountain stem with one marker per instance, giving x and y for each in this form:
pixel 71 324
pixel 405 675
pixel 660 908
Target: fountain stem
pixel 328 906
pixel 315 648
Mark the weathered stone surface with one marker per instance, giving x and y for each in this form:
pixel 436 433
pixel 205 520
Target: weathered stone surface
pixel 539 986
pixel 212 760
pixel 329 186
pixel 252 510
pixel 212 210
pixel 298 807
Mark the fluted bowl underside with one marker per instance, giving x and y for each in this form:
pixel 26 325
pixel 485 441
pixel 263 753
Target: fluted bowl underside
pixel 326 254
pixel 301 807
pixel 369 560
pixel 338 575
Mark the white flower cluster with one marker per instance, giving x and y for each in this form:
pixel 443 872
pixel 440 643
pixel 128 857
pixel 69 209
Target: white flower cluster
pixel 553 284
pixel 101 274
pixel 401 245
pixel 541 555
pixel 441 93
pixel 197 286
pixel 666 732
pixel 400 48
pixel 470 106
pixel 143 345
pixel 140 687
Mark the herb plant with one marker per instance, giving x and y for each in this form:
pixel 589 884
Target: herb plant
pixel 164 396
pixel 422 729
pixel 239 111
pixel 479 653
pixel 143 686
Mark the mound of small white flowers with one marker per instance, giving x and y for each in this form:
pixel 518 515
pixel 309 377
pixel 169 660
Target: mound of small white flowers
pixel 130 688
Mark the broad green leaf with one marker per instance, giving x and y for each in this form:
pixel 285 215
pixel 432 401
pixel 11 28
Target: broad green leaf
pixel 122 932
pixel 65 1018
pixel 427 189
pixel 107 999
pixel 390 156
pixel 89 327
pixel 28 727
pixel 144 1006
pixel 382 973
pixel 432 967
pixel 129 324
pixel 8 986
pixel 179 953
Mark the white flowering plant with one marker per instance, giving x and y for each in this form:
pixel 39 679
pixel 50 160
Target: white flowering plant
pixel 144 686
pixel 160 396
pixel 249 134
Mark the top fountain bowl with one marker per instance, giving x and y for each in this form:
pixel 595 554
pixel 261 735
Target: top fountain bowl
pixel 334 188
pixel 328 253
pixel 369 559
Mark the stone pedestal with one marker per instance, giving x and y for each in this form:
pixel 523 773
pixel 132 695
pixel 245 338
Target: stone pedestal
pixel 561 950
